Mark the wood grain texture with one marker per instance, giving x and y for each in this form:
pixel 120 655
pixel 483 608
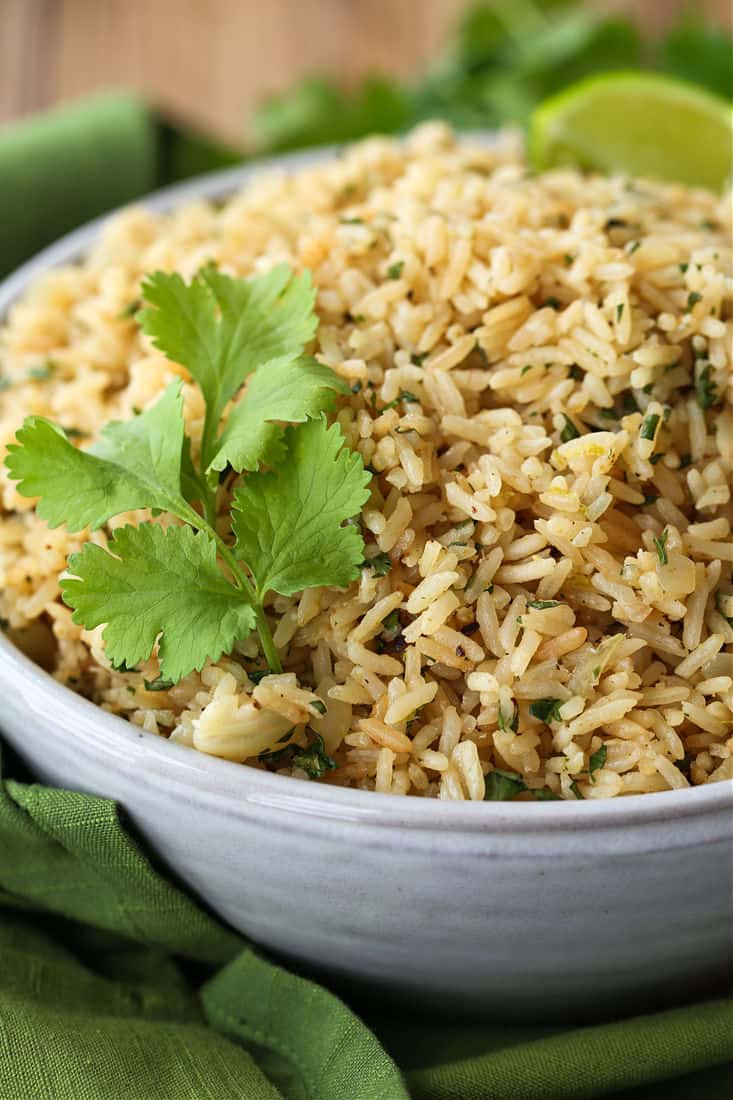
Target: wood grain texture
pixel 208 61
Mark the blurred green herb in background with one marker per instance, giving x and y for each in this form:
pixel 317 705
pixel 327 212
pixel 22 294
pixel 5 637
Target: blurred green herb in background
pixel 503 58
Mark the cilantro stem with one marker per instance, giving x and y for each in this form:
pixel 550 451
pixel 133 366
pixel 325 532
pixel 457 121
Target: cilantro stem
pixel 268 646
pixel 208 448
pixel 242 581
pixel 209 503
pixel 208 437
pixel 263 629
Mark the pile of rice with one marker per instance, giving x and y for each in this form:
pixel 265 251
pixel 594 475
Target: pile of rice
pixel 504 305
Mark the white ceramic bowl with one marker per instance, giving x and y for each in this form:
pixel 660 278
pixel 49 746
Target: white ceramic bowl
pixel 523 910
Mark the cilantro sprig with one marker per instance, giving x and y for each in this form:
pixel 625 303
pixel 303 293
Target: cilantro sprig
pixel 190 584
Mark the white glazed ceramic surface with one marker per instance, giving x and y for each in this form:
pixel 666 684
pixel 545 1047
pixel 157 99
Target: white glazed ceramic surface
pixel 523 910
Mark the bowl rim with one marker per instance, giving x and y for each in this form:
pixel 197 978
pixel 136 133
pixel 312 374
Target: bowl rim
pixel 269 788
pixel 233 783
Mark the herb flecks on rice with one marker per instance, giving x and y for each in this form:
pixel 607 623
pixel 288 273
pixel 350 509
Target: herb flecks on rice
pixel 545 607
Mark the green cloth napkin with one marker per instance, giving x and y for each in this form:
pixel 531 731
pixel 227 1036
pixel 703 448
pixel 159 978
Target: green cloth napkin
pixel 114 984
pixel 60 169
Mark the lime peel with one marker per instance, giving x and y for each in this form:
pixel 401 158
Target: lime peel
pixel 637 124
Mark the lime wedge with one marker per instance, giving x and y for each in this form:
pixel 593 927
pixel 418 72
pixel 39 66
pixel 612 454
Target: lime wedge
pixel 637 124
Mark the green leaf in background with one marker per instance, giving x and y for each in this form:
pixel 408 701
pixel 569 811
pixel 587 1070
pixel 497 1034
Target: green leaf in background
pixel 509 56
pixel 579 44
pixel 696 51
pixel 502 59
pixel 317 112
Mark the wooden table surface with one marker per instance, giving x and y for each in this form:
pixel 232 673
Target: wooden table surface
pixel 208 61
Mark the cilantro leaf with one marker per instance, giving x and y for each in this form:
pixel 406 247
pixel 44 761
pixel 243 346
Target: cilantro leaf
pixel 649 426
pixel 404 395
pixel 381 564
pixel 43 372
pixel 289 523
pixel 285 391
pixel 314 760
pixel 660 545
pixel 546 710
pixel 722 601
pixel 569 431
pixel 508 721
pixel 279 758
pixel 503 786
pixel 391 627
pixel 222 329
pixel 135 464
pixel 597 760
pixel 158 581
pixel 157 685
pixel 706 388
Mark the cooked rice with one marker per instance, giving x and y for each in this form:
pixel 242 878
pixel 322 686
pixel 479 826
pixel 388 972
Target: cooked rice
pixel 522 303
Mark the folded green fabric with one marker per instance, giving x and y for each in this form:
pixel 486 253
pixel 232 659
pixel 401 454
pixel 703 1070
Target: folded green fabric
pixel 115 985
pixel 60 169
